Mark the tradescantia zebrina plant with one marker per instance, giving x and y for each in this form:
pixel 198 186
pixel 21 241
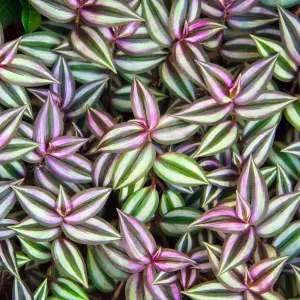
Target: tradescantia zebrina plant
pixel 149 149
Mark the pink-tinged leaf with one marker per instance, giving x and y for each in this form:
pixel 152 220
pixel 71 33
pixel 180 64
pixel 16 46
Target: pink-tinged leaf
pixel 43 94
pixel 241 6
pixel 169 260
pixel 183 11
pixel 252 188
pixel 123 137
pixel 134 287
pixel 45 179
pixel 121 260
pixel 144 105
pixel 155 291
pixel 201 30
pixel 48 125
pixel 54 10
pixel 74 168
pixel 66 87
pixel 26 71
pixel 170 130
pixel 266 273
pixel 223 177
pixel 64 146
pixel 237 249
pixel 87 204
pixel 218 81
pixel 243 208
pixel 63 203
pixel 104 13
pixel 254 80
pixel 221 219
pixel 99 122
pixel 205 111
pixel 38 204
pixel 8 51
pixel 185 55
pixel 280 212
pixel 10 121
pixel 139 243
pixel 103 169
pixel 94 231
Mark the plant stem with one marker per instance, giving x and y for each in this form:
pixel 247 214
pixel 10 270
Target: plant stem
pixel 118 290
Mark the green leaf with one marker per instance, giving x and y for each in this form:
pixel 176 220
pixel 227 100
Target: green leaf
pixel 41 45
pixel 66 289
pixel 288 241
pixel 10 12
pixel 99 277
pixel 142 204
pixel 179 169
pixel 68 257
pixel 283 3
pixel 218 139
pixel 176 221
pixel 133 165
pixel 169 201
pixel 8 257
pixel 21 291
pixel 41 292
pixel 292 114
pixel 31 18
pixel 37 251
pixel 285 69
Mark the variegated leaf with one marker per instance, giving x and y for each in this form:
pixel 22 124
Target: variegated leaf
pixel 142 204
pixel 176 221
pixel 280 212
pixel 170 200
pixel 32 230
pixel 104 13
pixel 37 251
pixel 218 139
pixel 133 165
pixel 91 44
pixel 179 169
pixel 252 188
pixel 138 241
pixel 68 257
pixel 285 68
pixel 8 257
pixel 289 29
pixel 39 204
pixel 64 288
pixel 205 111
pixel 170 130
pixel 54 10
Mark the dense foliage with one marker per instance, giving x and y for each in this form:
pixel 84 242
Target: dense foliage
pixel 149 149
